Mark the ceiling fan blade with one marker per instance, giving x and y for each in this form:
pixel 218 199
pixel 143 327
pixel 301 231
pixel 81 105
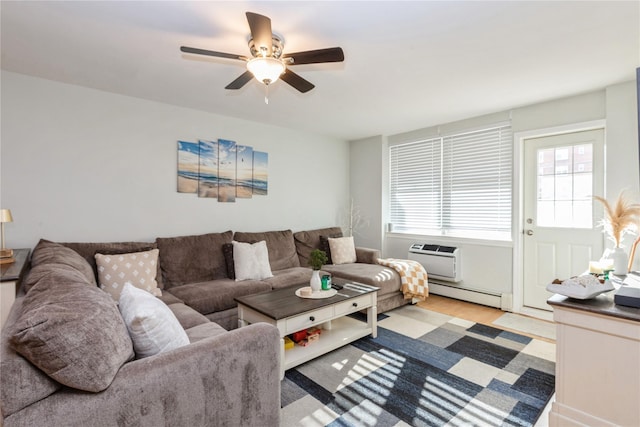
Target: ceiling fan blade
pixel 296 81
pixel 211 53
pixel 261 32
pixel 331 54
pixel 240 81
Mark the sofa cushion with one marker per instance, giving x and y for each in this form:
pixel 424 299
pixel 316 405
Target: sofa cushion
pixel 282 249
pixel 343 250
pixel 189 259
pixel 387 279
pixel 168 298
pixel 217 295
pixel 44 270
pixel 289 277
pixel 137 268
pixel 47 252
pixel 22 383
pixel 251 261
pixel 204 330
pixel 187 316
pixel 89 250
pixel 152 326
pixel 73 331
pixel 306 241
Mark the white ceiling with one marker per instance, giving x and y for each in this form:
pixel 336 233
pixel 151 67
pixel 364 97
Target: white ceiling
pixel 407 65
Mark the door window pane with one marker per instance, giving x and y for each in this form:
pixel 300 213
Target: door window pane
pixel 545 214
pixel 565 186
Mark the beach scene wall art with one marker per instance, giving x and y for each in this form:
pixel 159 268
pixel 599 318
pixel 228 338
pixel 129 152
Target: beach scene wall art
pixel 188 167
pixel 244 175
pixel 208 174
pixel 260 175
pixel 222 170
pixel 226 171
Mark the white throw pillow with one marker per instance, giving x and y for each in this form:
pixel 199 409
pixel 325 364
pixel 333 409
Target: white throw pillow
pixel 152 326
pixel 251 261
pixel 137 268
pixel 343 250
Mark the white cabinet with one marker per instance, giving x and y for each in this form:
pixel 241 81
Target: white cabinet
pixel 597 363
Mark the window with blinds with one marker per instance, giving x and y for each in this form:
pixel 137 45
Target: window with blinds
pixel 453 185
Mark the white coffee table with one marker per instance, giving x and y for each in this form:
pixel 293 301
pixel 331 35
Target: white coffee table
pixel 290 313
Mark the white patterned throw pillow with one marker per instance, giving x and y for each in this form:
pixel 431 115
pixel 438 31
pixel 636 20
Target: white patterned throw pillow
pixel 343 250
pixel 137 268
pixel 251 261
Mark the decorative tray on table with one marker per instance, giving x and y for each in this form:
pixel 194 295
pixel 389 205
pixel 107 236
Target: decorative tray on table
pixel 315 295
pixel 581 287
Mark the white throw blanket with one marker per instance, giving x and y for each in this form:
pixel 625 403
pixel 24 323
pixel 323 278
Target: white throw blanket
pixel 413 277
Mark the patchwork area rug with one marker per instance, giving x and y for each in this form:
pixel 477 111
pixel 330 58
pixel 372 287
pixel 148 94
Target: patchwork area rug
pixel 424 369
pixel 530 325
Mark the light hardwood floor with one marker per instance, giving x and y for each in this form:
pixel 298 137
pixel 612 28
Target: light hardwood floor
pixel 470 311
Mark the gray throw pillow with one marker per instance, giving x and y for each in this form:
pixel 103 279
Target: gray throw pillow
pixel 191 259
pixel 47 252
pixel 72 331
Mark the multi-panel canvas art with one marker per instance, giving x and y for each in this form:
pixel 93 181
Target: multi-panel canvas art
pixel 221 170
pixel 260 175
pixel 188 155
pixel 226 171
pixel 244 177
pixel 208 174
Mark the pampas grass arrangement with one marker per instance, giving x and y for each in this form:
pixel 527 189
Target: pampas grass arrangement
pixel 622 217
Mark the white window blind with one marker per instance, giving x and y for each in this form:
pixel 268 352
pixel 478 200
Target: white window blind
pixel 453 185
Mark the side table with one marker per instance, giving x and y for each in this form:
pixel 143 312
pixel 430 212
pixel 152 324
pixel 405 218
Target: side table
pixel 10 275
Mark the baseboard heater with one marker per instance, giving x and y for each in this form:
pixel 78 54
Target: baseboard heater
pixel 441 262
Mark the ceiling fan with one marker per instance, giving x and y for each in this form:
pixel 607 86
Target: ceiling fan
pixel 268 63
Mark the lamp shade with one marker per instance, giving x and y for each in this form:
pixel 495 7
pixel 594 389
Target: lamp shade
pixel 5 215
pixel 266 70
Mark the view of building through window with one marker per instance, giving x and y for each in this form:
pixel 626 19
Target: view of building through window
pixel 565 182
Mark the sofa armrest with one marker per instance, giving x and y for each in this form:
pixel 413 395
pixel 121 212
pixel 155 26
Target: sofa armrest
pixel 367 255
pixel 228 379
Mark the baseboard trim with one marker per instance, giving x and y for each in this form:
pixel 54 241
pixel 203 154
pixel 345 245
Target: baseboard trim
pixel 465 295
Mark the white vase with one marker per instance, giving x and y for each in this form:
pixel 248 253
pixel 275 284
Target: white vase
pixel 315 281
pixel 620 261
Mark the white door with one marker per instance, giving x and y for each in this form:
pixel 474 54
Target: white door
pixel 561 174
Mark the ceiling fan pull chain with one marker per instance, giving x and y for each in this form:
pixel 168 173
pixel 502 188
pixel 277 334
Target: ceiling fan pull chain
pixel 266 94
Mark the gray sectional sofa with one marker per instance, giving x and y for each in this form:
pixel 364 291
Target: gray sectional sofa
pixel 196 271
pixel 224 376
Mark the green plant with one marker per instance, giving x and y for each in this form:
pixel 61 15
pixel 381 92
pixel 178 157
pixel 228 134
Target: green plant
pixel 317 259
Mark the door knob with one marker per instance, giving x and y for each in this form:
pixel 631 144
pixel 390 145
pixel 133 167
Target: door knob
pixel 529 232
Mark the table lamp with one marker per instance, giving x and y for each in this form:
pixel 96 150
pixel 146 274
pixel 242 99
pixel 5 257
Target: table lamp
pixel 5 216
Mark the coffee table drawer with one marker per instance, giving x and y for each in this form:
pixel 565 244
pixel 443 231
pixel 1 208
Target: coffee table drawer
pixel 302 321
pixel 353 304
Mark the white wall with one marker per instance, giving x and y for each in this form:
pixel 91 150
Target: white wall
pixel 366 159
pixel 488 266
pixel 79 164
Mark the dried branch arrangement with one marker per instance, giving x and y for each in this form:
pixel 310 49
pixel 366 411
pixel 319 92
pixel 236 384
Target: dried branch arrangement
pixel 622 217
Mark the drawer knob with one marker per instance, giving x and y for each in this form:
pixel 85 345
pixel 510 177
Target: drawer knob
pixel 355 304
pixel 312 318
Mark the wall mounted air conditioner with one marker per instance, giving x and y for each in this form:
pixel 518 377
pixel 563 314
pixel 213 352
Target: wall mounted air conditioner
pixel 441 262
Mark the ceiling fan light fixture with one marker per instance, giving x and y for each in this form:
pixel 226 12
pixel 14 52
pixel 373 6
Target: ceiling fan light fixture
pixel 267 70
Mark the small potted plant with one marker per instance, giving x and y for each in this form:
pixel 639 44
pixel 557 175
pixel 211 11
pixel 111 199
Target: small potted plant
pixel 317 259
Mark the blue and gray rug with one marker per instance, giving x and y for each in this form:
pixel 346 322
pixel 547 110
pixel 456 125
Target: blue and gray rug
pixel 424 369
